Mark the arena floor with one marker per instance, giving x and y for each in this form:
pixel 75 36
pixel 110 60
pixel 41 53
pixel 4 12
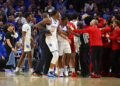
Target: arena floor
pixel 10 79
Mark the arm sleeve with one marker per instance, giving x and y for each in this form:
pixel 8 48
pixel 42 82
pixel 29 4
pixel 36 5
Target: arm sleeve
pixel 7 36
pixel 81 31
pixel 114 37
pixel 118 38
pixel 105 30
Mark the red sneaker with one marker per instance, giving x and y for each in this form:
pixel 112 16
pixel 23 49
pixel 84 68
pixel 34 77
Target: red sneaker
pixel 95 76
pixel 73 74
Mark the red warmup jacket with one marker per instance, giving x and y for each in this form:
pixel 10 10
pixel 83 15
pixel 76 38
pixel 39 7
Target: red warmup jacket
pixel 72 27
pixel 101 21
pixel 106 41
pixel 113 36
pixel 94 35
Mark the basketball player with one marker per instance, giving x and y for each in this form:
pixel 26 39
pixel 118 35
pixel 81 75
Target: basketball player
pixel 26 47
pixel 64 47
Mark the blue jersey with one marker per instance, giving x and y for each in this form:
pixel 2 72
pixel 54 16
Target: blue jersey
pixel 2 36
pixel 19 52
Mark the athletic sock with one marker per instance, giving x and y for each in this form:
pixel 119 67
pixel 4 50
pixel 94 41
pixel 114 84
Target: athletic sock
pixel 51 70
pixel 17 69
pixel 31 70
pixel 66 67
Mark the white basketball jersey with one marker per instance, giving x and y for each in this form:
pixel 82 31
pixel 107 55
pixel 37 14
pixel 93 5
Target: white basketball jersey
pixel 75 23
pixel 64 29
pixel 54 24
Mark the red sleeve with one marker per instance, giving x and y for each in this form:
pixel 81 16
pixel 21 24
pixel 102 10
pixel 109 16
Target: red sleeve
pixel 118 38
pixel 114 37
pixel 106 30
pixel 101 21
pixel 81 31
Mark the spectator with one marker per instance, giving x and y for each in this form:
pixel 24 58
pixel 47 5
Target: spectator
pixel 71 9
pixel 4 16
pixel 11 20
pixel 29 9
pixel 5 8
pixel 22 9
pixel 49 7
pixel 20 16
pixel 106 14
pixel 38 16
pixel 10 37
pixel 11 12
pixel 60 4
pixel 81 13
pixel 89 6
pixel 19 52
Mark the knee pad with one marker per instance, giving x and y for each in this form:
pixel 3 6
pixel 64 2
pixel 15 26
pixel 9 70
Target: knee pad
pixel 55 57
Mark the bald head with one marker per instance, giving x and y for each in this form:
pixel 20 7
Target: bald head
pixel 94 22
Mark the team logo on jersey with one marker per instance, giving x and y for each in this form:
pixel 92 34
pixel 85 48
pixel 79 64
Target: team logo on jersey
pixel 27 46
pixel 50 45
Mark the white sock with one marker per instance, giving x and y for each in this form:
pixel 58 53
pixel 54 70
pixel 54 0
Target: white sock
pixel 62 70
pixel 31 70
pixel 56 69
pixel 73 69
pixel 17 69
pixel 66 67
pixel 51 70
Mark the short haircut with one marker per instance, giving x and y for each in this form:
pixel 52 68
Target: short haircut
pixel 88 19
pixel 95 21
pixel 64 17
pixel 9 24
pixel 74 16
pixel 27 15
pixel 54 12
pixel 45 15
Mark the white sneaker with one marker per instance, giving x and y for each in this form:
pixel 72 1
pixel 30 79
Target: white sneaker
pixel 66 73
pixel 61 74
pixel 31 71
pixel 56 71
pixel 17 72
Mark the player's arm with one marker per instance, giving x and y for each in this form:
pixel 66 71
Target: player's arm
pixel 43 22
pixel 62 35
pixel 76 34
